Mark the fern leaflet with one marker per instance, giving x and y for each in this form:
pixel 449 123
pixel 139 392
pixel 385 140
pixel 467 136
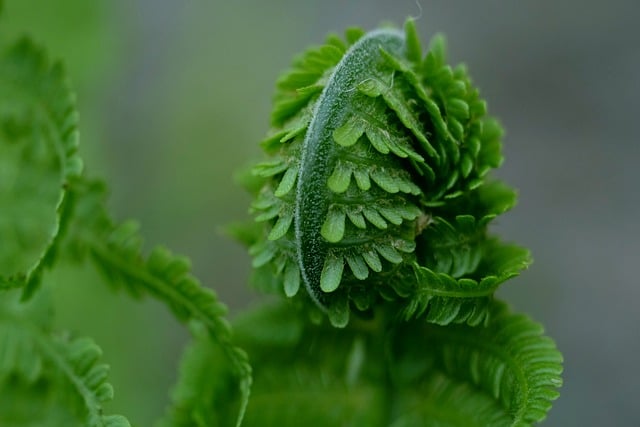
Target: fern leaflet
pixel 38 157
pixel 64 373
pixel 509 360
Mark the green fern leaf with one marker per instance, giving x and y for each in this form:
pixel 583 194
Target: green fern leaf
pixel 305 81
pixel 509 361
pixel 449 404
pixel 116 251
pixel 38 144
pixel 62 377
pixel 78 360
pixel 440 298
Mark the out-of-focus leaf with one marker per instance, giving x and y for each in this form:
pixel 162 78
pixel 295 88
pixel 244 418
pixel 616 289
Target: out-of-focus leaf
pixel 38 144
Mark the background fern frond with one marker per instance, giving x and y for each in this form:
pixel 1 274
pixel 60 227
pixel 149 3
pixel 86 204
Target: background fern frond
pixel 20 355
pixel 116 251
pixel 38 157
pixel 78 359
pixel 60 377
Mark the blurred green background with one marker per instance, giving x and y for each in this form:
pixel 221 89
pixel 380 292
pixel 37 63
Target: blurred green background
pixel 174 97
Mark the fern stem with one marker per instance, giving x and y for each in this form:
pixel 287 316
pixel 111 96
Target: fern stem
pixel 157 287
pixel 91 403
pixel 219 331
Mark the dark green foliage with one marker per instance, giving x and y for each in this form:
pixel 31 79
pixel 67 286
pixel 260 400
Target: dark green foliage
pixel 375 198
pixel 407 374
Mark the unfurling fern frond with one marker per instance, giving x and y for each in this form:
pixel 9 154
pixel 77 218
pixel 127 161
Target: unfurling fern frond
pixel 376 200
pixel 442 299
pixel 378 166
pixel 38 144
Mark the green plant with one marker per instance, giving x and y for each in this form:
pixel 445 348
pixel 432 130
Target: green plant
pixel 371 222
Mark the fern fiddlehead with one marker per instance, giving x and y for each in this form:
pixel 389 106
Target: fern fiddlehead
pixel 376 200
pixel 380 159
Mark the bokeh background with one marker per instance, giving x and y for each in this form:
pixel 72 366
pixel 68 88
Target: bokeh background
pixel 174 97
